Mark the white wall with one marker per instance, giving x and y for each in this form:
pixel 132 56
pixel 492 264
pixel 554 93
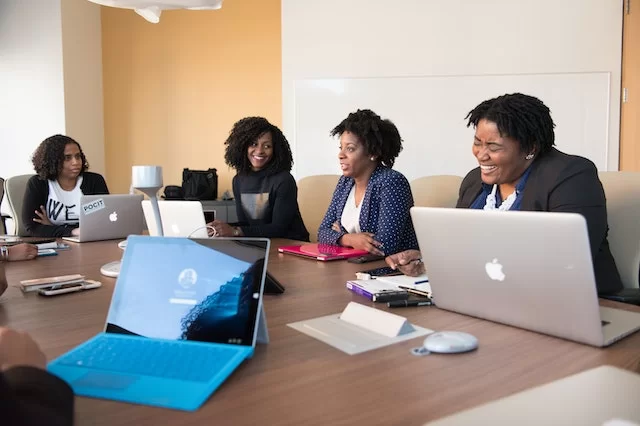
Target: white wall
pixel 378 39
pixel 50 79
pixel 31 80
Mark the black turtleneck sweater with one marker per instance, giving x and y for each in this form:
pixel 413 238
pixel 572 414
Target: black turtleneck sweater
pixel 267 205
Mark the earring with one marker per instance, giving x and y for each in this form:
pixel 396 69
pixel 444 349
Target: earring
pixel 529 156
pixel 373 158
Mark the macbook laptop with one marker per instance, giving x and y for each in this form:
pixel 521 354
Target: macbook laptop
pixel 185 313
pixel 108 217
pixel 324 252
pixel 602 396
pixel 527 269
pixel 179 219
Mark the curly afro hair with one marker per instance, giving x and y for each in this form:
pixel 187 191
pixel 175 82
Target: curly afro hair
pixel 379 137
pixel 247 131
pixel 521 117
pixel 49 156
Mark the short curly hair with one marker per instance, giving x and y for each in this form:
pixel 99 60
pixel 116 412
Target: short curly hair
pixel 379 137
pixel 521 117
pixel 48 158
pixel 244 133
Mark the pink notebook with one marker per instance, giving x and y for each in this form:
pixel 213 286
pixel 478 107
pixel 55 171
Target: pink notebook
pixel 322 252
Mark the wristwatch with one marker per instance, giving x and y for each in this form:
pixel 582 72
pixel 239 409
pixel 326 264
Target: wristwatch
pixel 236 231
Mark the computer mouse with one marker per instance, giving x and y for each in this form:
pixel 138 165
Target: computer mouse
pixel 450 342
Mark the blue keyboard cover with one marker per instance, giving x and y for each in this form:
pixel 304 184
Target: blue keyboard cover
pixel 166 359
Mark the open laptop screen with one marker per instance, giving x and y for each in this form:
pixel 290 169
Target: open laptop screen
pixel 193 289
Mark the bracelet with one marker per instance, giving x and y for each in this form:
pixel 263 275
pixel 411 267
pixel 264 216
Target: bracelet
pixel 4 253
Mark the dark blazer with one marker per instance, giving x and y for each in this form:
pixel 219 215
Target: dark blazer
pixel 36 195
pixel 384 212
pixel 564 183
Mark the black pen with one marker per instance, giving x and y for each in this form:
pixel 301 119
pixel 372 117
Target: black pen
pixel 408 303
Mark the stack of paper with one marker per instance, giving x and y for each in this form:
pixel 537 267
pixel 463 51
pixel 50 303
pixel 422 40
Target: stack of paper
pixel 420 282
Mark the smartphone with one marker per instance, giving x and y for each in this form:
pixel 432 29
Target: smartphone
pixel 365 258
pixel 382 272
pixel 47 252
pixel 69 288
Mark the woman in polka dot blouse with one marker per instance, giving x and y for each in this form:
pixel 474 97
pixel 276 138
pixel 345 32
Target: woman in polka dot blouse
pixel 370 205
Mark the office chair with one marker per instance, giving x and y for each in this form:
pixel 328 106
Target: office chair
pixel 622 190
pixel 436 191
pixel 3 217
pixel 15 188
pixel 314 197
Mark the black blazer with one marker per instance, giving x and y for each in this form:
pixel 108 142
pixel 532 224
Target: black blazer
pixel 559 182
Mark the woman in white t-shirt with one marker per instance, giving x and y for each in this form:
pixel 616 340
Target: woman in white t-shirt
pixel 51 203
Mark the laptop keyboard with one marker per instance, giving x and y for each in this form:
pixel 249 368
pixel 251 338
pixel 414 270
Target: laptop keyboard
pixel 158 358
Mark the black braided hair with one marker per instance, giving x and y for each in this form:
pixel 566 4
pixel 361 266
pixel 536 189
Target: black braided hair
pixel 521 117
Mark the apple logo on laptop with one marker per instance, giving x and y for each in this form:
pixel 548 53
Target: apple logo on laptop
pixel 494 270
pixel 113 217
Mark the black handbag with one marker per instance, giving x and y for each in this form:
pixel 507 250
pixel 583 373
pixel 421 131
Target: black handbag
pixel 200 184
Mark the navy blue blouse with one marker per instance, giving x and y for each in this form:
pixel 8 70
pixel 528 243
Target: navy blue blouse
pixel 384 211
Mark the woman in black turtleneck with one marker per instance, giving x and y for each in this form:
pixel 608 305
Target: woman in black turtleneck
pixel 265 192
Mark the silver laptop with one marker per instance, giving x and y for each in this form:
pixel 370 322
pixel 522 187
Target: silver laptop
pixel 179 219
pixel 108 217
pixel 602 396
pixel 527 269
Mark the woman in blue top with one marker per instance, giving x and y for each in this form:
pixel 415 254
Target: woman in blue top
pixel 370 205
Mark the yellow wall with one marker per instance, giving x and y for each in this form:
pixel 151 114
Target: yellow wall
pixel 173 90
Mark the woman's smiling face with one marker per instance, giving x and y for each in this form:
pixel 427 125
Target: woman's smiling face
pixel 500 158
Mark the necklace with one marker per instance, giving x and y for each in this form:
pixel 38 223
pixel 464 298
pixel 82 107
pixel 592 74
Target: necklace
pixel 490 204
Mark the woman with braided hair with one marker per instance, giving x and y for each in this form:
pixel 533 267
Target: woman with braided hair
pixel 519 169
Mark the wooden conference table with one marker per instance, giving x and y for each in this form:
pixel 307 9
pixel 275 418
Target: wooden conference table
pixel 297 380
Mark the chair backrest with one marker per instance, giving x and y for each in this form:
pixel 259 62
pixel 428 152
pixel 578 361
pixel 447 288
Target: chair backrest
pixel 622 190
pixel 3 228
pixel 314 197
pixel 15 188
pixel 436 191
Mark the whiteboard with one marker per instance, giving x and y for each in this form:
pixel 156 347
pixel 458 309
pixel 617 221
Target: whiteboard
pixel 429 113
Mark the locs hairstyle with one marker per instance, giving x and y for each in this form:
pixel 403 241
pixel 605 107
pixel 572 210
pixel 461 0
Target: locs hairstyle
pixel 379 137
pixel 48 158
pixel 521 117
pixel 247 131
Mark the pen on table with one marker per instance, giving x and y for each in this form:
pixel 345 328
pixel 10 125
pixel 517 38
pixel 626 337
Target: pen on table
pixel 408 303
pixel 414 291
